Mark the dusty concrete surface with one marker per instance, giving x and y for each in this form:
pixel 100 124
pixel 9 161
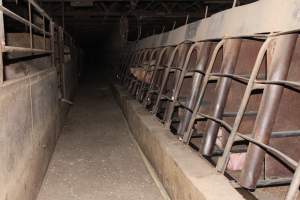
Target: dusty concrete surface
pixel 184 174
pixel 29 114
pixel 95 158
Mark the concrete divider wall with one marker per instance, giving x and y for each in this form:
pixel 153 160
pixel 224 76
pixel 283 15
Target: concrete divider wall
pixel 184 174
pixel 30 118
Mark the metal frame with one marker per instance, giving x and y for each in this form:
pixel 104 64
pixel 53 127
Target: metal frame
pixel 10 49
pixel 155 77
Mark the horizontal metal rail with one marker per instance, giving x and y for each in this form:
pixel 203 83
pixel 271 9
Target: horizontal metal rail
pixel 22 20
pixel 278 154
pixel 12 49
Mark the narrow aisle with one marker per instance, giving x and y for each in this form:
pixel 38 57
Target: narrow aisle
pixel 95 158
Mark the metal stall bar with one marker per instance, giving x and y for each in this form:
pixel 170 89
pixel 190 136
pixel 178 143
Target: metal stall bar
pixel 126 74
pixel 148 69
pixel 203 48
pixel 167 72
pixel 295 184
pixel 30 26
pixel 52 43
pixel 265 120
pixel 2 44
pixel 144 65
pixel 132 78
pixel 22 20
pixel 61 47
pixel 230 58
pixel 28 23
pixel 222 161
pixel 188 133
pixel 155 76
pixel 124 63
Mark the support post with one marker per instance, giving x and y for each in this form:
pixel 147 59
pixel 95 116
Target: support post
pixel 230 58
pixel 268 108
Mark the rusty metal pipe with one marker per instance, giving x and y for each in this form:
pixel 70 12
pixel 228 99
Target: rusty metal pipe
pixel 196 85
pixel 178 74
pixel 155 75
pixel 230 58
pixel 268 108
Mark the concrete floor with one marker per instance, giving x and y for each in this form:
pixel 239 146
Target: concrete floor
pixel 95 158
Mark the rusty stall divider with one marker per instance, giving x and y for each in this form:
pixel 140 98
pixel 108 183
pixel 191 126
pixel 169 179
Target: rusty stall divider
pixel 149 69
pixel 160 68
pixel 48 29
pixel 126 69
pixel 120 73
pixel 133 80
pixel 202 49
pixel 273 88
pixel 129 78
pixel 28 23
pixel 231 49
pixel 175 67
pixel 143 66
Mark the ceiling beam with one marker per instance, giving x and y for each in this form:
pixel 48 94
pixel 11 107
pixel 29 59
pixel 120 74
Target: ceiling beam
pixel 138 13
pixel 159 1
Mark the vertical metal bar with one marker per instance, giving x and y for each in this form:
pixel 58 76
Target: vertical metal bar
pixel 206 11
pixel 149 65
pixel 44 32
pixel 268 108
pixel 52 40
pixel 196 85
pixel 63 14
pixel 294 187
pixel 62 55
pixel 230 58
pixel 165 78
pixel 222 161
pixel 154 76
pixel 170 107
pixel 2 44
pixel 234 3
pixel 187 19
pixel 187 135
pixel 184 54
pixel 174 25
pixel 30 25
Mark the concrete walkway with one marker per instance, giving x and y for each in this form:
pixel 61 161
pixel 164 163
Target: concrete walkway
pixel 95 158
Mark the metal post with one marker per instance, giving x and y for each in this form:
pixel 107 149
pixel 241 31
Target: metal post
pixel 148 70
pixel 52 40
pixel 268 108
pixel 44 31
pixel 187 135
pixel 206 11
pixel 30 25
pixel 2 44
pixel 165 78
pixel 294 187
pixel 153 78
pixel 62 60
pixel 230 58
pixel 196 85
pixel 223 161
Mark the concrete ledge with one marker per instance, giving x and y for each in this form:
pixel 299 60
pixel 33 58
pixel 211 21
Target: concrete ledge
pixel 183 173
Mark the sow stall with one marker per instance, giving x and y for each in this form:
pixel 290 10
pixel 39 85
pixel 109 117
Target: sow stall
pixel 228 85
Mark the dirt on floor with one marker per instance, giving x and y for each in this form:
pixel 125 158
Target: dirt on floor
pixel 95 158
